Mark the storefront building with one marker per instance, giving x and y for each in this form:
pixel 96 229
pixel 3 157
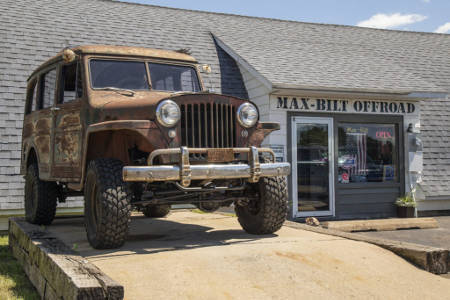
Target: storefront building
pixel 348 156
pixel 364 113
pixel 355 146
pixel 352 153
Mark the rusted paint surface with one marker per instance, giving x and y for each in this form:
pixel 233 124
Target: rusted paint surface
pixel 66 150
pixel 67 138
pixel 134 51
pixel 37 136
pixel 28 129
pixel 42 143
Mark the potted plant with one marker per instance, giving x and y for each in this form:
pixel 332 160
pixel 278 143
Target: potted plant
pixel 406 206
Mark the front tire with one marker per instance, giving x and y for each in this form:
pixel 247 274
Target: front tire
pixel 40 198
pixel 107 208
pixel 267 214
pixel 156 211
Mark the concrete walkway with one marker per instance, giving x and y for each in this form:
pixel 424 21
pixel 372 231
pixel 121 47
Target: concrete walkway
pixel 207 256
pixel 439 237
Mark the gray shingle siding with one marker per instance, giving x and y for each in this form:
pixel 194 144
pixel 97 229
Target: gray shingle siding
pixel 230 76
pixel 435 128
pixel 282 51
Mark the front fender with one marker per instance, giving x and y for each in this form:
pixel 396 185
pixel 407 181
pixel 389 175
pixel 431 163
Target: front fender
pixel 150 138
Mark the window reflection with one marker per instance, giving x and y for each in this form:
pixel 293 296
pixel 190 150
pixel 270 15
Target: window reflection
pixel 367 153
pixel 118 74
pixel 313 167
pixel 173 78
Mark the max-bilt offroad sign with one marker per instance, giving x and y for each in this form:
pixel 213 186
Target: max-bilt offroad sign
pixel 343 105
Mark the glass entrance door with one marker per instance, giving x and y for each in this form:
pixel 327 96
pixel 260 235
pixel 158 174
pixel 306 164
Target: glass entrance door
pixel 312 166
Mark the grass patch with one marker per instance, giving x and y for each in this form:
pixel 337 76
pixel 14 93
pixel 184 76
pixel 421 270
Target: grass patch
pixel 14 283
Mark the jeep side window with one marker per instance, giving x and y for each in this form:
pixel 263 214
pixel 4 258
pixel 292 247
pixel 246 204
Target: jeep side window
pixel 48 86
pixel 32 98
pixel 70 83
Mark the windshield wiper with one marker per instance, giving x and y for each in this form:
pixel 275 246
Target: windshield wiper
pixel 118 90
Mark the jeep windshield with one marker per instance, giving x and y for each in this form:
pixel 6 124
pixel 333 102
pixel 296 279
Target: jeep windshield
pixel 173 78
pixel 132 75
pixel 127 75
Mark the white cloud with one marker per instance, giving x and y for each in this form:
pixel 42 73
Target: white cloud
pixel 443 28
pixel 426 1
pixel 386 21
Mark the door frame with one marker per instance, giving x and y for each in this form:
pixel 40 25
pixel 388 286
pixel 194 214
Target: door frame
pixel 68 171
pixel 331 178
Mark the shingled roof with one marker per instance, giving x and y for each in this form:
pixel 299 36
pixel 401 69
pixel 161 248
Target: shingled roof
pixel 342 57
pixel 284 52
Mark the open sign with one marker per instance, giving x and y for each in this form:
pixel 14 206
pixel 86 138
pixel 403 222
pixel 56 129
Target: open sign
pixel 383 135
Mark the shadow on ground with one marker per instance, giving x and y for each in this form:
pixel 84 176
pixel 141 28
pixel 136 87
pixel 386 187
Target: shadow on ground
pixel 149 236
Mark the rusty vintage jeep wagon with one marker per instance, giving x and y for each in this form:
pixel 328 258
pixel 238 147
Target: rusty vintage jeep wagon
pixel 134 128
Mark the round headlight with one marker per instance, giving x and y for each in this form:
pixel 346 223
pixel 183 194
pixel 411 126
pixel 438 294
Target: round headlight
pixel 247 115
pixel 168 113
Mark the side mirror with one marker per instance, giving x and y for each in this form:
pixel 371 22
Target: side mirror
pixel 68 55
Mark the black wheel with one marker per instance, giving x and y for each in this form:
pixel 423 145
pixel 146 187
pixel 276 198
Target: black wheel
pixel 40 198
pixel 268 213
pixel 107 206
pixel 156 211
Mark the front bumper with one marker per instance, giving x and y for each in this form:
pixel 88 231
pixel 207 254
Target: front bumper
pixel 185 172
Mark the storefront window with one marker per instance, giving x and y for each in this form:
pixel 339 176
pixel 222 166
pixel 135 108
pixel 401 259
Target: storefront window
pixel 367 153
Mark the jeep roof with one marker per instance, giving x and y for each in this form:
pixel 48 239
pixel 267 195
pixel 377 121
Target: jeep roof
pixel 122 51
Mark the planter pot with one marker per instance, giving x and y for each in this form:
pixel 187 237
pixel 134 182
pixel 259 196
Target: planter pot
pixel 405 211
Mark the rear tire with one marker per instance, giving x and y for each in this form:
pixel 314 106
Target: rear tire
pixel 40 198
pixel 156 211
pixel 107 206
pixel 267 214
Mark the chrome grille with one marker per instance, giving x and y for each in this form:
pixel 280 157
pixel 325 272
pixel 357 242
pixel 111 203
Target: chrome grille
pixel 208 125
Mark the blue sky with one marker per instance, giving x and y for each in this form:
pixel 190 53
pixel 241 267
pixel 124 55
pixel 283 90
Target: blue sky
pixel 416 15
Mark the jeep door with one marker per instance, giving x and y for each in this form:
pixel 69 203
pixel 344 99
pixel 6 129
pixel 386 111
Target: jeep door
pixel 67 124
pixel 38 123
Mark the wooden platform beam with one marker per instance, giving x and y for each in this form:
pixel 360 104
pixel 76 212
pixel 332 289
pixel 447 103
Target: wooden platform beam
pixel 381 224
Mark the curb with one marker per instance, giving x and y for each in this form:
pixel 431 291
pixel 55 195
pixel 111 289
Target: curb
pixel 381 224
pixel 431 259
pixel 55 270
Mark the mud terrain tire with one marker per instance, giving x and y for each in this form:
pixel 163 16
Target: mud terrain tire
pixel 107 206
pixel 40 198
pixel 269 213
pixel 156 211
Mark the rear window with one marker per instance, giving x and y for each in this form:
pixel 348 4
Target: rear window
pixel 32 97
pixel 166 77
pixel 49 88
pixel 118 74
